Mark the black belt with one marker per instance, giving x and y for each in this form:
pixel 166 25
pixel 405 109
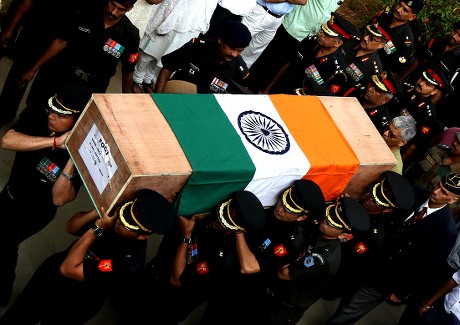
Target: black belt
pixel 270 12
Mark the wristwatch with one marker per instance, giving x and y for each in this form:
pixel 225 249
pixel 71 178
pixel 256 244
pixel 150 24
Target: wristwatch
pixel 98 231
pixel 186 240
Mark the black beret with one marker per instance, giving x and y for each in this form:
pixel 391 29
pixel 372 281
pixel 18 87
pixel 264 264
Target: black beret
pixel 415 5
pixel 148 212
pixel 242 212
pixel 69 99
pixel 305 196
pixel 348 215
pixel 235 34
pixel 394 191
pixel 457 25
pixel 451 182
pixel 387 83
pixel 339 26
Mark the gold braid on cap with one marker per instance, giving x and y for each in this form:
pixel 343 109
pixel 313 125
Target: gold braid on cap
pixel 67 111
pixel 123 220
pixel 137 222
pixel 340 219
pixel 231 219
pixel 296 209
pixel 386 198
pixel 376 199
pixel 379 83
pixel 222 219
pixel 329 219
pixel 368 27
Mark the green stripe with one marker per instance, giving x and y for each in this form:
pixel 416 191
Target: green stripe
pixel 219 160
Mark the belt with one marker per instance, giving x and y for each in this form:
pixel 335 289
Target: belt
pixel 270 12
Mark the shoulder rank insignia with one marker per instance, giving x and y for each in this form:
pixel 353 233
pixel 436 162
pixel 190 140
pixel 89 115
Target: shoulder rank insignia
pixel 309 261
pixel 360 248
pixel 425 130
pixel 280 250
pixel 202 268
pixel 105 266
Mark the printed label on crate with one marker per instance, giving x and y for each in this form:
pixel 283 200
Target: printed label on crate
pixel 96 155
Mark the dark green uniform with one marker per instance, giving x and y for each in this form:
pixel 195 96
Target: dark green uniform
pixel 198 62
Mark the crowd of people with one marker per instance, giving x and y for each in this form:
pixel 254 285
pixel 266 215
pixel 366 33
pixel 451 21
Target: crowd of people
pixel 399 243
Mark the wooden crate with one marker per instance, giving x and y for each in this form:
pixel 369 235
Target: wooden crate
pixel 140 143
pixel 373 153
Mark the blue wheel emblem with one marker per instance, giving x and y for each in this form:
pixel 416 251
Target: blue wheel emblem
pixel 263 132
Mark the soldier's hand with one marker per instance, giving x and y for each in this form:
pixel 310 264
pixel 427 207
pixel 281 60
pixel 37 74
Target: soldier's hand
pixel 60 141
pixel 5 38
pixel 186 226
pixel 106 221
pixel 26 77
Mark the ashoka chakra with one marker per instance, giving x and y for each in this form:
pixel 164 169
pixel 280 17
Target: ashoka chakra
pixel 263 132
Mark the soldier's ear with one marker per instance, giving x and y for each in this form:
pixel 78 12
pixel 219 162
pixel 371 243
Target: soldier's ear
pixel 434 92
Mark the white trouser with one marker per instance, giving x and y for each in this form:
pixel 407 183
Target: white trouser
pixel 146 69
pixel 263 27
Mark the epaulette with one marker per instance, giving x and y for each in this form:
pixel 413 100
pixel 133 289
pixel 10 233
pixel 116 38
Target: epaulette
pixel 376 68
pixel 407 42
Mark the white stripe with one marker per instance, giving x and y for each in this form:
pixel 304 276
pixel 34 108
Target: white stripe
pixel 274 172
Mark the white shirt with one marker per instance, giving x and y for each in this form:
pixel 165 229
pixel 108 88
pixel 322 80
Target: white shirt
pixel 428 210
pixel 238 7
pixel 452 299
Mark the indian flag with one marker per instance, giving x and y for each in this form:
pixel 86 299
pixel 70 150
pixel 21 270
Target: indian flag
pixel 260 143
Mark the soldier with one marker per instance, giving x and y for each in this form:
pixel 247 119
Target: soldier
pixel 106 258
pixel 318 58
pixel 281 242
pixel 200 259
pixel 360 62
pixel 416 103
pixel 300 283
pixel 397 53
pixel 42 177
pixel 361 251
pixel 213 66
pixel 377 98
pixel 437 162
pixel 96 38
pixel 425 229
pixel 440 52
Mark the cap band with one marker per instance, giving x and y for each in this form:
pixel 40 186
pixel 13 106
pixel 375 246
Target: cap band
pixel 57 106
pixel 329 31
pixel 433 78
pixel 296 209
